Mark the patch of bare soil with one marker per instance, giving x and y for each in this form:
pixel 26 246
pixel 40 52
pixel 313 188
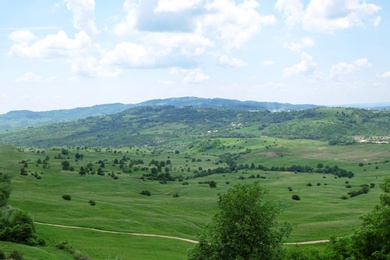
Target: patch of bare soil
pixel 268 154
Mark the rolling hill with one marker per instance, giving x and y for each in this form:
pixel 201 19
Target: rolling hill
pixel 26 118
pixel 169 124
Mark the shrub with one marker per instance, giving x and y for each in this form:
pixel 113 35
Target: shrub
pixel 16 255
pixel 66 197
pixel 213 184
pixel 318 184
pixel 185 183
pixel 344 197
pixel 176 195
pixel 290 189
pixel 146 193
pixel 296 197
pixel 92 202
pixel 2 255
pixel 309 184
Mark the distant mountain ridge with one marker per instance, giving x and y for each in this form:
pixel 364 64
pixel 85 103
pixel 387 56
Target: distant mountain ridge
pixel 26 118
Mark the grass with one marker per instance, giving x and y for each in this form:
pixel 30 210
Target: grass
pixel 319 214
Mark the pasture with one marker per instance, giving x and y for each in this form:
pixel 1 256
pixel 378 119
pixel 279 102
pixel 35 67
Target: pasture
pixel 182 207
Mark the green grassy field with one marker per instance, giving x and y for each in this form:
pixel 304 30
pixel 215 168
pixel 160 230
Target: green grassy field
pixel 319 214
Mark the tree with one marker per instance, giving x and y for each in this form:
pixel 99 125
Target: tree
pixel 213 184
pixel 371 239
pixel 5 189
pixel 65 165
pixel 244 228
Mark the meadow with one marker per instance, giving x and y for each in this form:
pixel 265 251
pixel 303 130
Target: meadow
pixel 183 206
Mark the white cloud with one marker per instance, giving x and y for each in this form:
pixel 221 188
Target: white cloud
pixel 224 20
pixel 22 36
pixel 184 43
pixel 31 77
pixel 130 55
pixel 196 76
pixel 235 24
pixel 224 60
pixel 53 46
pixel 268 63
pixel 28 78
pixel 177 6
pixel 79 51
pixel 293 11
pixel 385 75
pixel 377 21
pixel 328 16
pixel 83 15
pixel 298 46
pixel 192 75
pixel 91 68
pixel 346 68
pixel 307 65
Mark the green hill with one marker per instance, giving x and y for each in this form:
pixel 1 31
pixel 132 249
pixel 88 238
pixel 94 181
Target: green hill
pixel 26 118
pixel 169 124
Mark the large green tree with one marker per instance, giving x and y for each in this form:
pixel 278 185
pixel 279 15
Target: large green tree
pixel 245 227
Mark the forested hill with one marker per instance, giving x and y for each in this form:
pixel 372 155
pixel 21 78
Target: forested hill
pixel 25 118
pixel 228 103
pixel 176 126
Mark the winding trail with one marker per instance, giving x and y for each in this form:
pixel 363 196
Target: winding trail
pixel 118 232
pixel 159 236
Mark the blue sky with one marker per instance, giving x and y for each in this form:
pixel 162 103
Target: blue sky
pixel 58 54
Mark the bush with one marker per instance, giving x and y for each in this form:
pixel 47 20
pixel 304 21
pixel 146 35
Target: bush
pixel 290 189
pixel 146 193
pixel 344 197
pixel 176 195
pixel 296 197
pixel 213 184
pixel 64 245
pixel 16 255
pixel 92 202
pixel 66 197
pixel 309 184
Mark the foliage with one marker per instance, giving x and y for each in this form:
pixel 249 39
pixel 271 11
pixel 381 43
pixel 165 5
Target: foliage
pixel 16 255
pixel 371 239
pixel 213 184
pixel 295 197
pixel 146 193
pixel 17 226
pixel 66 197
pixel 244 228
pixel 5 189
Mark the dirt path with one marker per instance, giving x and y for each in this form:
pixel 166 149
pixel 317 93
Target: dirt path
pixel 160 236
pixel 118 232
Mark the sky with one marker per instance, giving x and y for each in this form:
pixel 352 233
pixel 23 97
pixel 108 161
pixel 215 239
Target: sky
pixel 61 54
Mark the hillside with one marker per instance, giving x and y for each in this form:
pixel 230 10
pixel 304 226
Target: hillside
pixel 183 125
pixel 26 118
